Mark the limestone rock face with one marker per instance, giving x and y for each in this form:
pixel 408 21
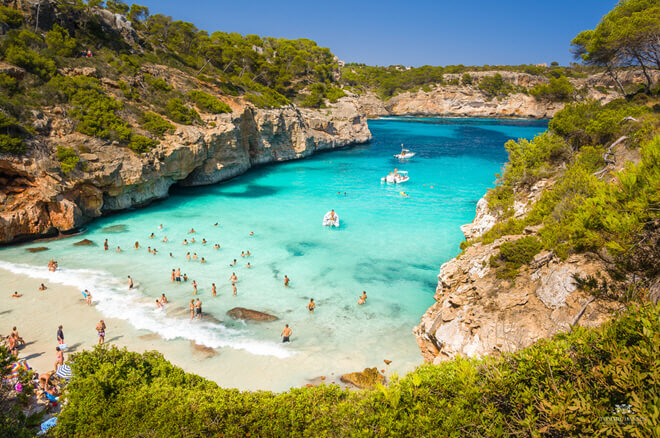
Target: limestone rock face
pixel 250 315
pixel 368 378
pixel 38 200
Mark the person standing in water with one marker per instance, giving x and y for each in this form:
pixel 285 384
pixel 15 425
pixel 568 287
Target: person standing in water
pixel 100 330
pixel 105 244
pixel 137 244
pixel 286 281
pixel 194 285
pixel 286 333
pixel 363 298
pixel 192 309
pixel 311 305
pixel 198 309
pixel 213 291
pixel 234 290
pixel 163 299
pixel 233 278
pixel 130 282
pixel 173 275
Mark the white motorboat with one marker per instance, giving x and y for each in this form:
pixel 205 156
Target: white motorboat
pixel 396 178
pixel 331 219
pixel 405 154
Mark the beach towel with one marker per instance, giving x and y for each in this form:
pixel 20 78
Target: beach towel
pixel 64 371
pixel 47 425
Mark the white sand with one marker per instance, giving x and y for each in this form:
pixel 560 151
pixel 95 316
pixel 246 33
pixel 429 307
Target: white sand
pixel 37 315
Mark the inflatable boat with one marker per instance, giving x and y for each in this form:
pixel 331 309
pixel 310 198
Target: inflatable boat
pixel 329 221
pixel 405 154
pixel 396 178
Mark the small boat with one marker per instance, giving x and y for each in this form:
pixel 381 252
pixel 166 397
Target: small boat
pixel 331 219
pixel 405 154
pixel 396 178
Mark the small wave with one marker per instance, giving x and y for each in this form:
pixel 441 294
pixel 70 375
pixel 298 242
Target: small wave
pixel 113 300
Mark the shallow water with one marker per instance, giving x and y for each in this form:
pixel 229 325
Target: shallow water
pixel 389 245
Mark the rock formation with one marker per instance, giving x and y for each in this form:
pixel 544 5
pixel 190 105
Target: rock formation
pixel 368 378
pixel 37 199
pixel 250 315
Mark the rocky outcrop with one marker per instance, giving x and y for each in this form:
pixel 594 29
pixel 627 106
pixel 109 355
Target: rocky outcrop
pixel 38 200
pixel 250 315
pixel 470 101
pixel 368 378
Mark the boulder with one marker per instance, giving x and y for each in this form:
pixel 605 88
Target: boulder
pixel 249 314
pixel 364 379
pixel 37 249
pixel 84 242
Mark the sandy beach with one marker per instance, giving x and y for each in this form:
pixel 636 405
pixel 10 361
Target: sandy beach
pixel 37 314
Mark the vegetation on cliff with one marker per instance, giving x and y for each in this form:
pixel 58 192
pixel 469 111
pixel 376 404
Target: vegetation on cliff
pixel 588 382
pixel 150 65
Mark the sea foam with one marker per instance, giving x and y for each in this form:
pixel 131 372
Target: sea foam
pixel 112 298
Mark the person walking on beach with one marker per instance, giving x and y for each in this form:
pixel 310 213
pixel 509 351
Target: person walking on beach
pixel 311 305
pixel 130 282
pixel 286 333
pixel 198 309
pixel 60 335
pixel 100 330
pixel 88 297
pixel 192 309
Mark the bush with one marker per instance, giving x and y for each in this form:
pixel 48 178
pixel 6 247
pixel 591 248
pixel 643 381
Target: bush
pixel 333 94
pixel 10 16
pixel 180 113
pixel 11 141
pixel 8 83
pixel 157 83
pixel 208 103
pixel 514 254
pixel 31 61
pixel 566 386
pixel 466 79
pixel 156 125
pixel 494 86
pixel 558 89
pixel 141 144
pixel 92 108
pixel 59 41
pixel 68 158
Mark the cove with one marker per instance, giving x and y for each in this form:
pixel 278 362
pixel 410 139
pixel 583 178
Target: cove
pixel 389 245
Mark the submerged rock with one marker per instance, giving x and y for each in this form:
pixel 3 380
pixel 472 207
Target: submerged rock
pixel 37 249
pixel 251 315
pixel 84 242
pixel 121 228
pixel 368 378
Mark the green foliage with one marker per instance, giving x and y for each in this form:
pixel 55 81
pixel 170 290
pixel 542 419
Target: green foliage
pixel 94 110
pixel 117 7
pixel 495 85
pixel 157 83
pixel 11 17
pixel 8 83
pixel 68 158
pixel 514 254
pixel 156 125
pixel 128 91
pixel 315 97
pixel 388 81
pixel 558 89
pixel 180 113
pixel 593 123
pixel 30 60
pixel 567 386
pixel 208 103
pixel 333 94
pixel 59 41
pixel 466 79
pixel 141 144
pixel 11 136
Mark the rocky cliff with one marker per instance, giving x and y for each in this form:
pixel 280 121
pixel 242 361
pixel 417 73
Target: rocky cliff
pixel 37 199
pixel 470 101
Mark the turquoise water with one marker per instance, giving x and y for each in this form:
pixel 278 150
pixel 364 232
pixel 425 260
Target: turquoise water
pixel 389 245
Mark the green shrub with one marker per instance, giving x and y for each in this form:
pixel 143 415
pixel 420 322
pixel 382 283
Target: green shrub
pixel 566 386
pixel 141 144
pixel 514 254
pixel 315 97
pixel 68 158
pixel 208 103
pixel 31 61
pixel 558 89
pixel 494 86
pixel 11 139
pixel 466 79
pixel 128 91
pixel 92 108
pixel 8 83
pixel 157 83
pixel 59 41
pixel 333 94
pixel 180 113
pixel 10 16
pixel 156 125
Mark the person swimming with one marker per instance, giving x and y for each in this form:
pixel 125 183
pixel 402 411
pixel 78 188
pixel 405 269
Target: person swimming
pixel 251 233
pixel 152 236
pixel 165 239
pixel 215 224
pixel 216 246
pixel 193 240
pixel 192 230
pixel 185 242
pixel 118 249
pixel 233 263
pixel 242 253
pixel 248 265
pixel 248 253
pixel 188 256
pixel 203 260
pixel 194 256
pixel 173 275
pixel 203 241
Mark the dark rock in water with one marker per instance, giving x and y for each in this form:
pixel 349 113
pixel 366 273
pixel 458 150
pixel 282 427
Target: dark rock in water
pixel 365 379
pixel 248 314
pixel 37 249
pixel 121 228
pixel 84 242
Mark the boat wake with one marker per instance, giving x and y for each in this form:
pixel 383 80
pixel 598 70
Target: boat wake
pixel 113 300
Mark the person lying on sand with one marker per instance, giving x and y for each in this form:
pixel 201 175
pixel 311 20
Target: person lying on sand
pixel 16 294
pixel 42 287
